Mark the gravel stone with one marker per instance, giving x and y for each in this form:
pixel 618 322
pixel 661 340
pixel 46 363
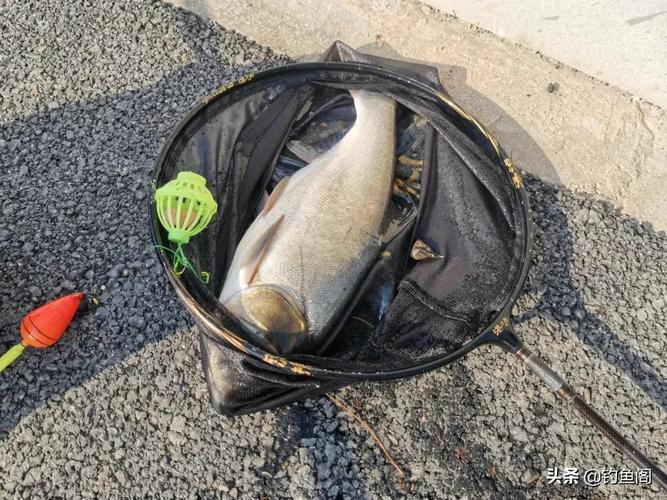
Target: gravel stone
pixel 137 322
pixel 122 477
pixel 119 408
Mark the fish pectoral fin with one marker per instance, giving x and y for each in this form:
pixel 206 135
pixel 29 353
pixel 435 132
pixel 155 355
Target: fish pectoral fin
pixel 256 254
pixel 274 196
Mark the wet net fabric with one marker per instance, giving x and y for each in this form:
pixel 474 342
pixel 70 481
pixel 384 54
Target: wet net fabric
pixel 405 312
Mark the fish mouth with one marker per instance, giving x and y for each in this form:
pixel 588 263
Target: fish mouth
pixel 271 316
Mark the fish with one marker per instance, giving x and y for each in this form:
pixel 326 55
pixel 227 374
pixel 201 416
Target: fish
pixel 316 236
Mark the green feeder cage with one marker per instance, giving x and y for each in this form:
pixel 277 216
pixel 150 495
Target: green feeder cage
pixel 185 207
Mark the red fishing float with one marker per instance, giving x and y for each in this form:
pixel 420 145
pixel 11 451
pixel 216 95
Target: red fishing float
pixel 43 327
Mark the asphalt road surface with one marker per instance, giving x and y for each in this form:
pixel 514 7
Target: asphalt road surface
pixel 88 93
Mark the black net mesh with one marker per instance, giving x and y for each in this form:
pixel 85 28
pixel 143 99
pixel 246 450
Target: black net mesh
pixel 454 194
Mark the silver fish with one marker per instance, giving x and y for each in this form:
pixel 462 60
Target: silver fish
pixel 302 257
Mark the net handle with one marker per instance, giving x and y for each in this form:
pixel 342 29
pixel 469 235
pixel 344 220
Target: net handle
pixel 566 392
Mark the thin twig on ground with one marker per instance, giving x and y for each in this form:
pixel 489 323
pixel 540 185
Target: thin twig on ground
pixel 349 411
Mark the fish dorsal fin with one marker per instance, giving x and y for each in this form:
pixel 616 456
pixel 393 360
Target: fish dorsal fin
pixel 255 256
pixel 274 196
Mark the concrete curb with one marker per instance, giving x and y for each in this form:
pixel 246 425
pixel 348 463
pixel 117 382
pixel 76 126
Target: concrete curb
pixel 557 123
